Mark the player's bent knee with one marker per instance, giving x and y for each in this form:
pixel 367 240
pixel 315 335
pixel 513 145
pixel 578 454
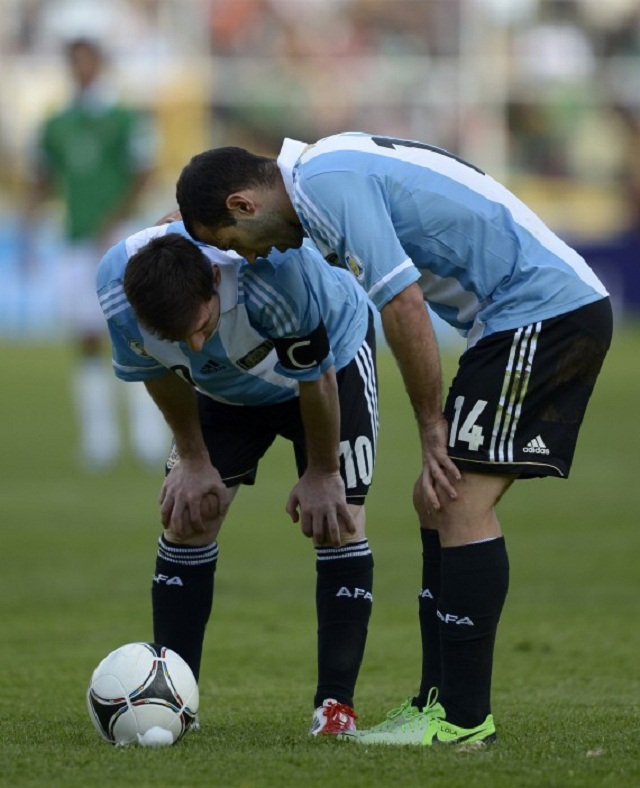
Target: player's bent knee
pixel 472 514
pixel 196 538
pixel 191 541
pixel 478 493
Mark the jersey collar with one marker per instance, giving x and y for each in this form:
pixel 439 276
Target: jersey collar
pixel 228 264
pixel 288 158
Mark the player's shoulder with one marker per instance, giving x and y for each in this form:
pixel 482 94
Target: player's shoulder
pixel 294 269
pixel 136 241
pixel 109 284
pixel 114 262
pixel 337 147
pixel 345 140
pixel 290 263
pixel 324 166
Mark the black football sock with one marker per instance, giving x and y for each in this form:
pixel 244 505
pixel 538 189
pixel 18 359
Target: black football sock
pixel 427 611
pixel 182 596
pixel 474 584
pixel 343 603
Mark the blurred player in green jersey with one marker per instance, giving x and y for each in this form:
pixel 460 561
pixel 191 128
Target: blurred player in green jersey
pixel 95 154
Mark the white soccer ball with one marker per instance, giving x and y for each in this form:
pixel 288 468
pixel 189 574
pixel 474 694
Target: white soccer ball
pixel 143 693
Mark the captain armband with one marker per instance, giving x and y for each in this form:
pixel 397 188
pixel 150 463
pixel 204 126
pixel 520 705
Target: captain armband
pixel 297 353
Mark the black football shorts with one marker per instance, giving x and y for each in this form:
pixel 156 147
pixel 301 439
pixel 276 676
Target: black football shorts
pixel 519 397
pixel 238 436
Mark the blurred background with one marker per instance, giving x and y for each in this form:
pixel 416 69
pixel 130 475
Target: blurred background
pixel 542 94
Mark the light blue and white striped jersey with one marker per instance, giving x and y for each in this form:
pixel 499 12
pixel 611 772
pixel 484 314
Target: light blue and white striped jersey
pixel 286 295
pixel 398 211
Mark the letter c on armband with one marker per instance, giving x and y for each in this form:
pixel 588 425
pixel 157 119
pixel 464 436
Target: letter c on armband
pixel 303 352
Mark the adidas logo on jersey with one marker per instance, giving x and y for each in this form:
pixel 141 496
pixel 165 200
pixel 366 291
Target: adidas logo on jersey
pixel 211 366
pixel 536 446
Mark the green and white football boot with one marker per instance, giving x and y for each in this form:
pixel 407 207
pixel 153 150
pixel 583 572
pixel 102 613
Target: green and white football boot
pixel 400 723
pixel 408 725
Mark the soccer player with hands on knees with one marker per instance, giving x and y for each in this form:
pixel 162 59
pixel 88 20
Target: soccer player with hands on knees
pixel 235 354
pixel 417 225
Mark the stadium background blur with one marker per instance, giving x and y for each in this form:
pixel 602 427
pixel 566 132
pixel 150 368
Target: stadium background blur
pixel 542 94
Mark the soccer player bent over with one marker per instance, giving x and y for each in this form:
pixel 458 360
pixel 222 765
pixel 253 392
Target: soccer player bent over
pixel 234 355
pixel 416 224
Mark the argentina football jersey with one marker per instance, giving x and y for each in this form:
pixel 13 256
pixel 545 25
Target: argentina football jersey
pixel 290 294
pixel 395 212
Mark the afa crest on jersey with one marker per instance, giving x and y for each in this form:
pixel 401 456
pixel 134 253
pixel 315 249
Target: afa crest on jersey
pixel 255 356
pixel 138 348
pixel 354 264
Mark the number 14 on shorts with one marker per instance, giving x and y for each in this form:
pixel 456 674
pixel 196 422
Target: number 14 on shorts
pixel 469 432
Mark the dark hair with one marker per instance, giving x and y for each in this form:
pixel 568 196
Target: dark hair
pixel 166 283
pixel 210 177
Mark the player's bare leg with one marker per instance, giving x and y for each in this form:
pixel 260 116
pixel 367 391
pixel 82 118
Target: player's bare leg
pixel 471 517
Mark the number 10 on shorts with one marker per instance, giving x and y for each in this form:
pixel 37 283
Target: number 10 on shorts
pixel 358 463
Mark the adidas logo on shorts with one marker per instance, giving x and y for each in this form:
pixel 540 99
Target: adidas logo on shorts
pixel 536 446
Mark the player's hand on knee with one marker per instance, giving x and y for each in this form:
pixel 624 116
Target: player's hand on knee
pixel 318 502
pixel 421 503
pixel 439 473
pixel 332 531
pixel 211 523
pixel 214 505
pixel 429 497
pixel 183 507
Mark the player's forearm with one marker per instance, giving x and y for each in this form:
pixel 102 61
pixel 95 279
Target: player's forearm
pixel 178 404
pixel 320 411
pixel 409 332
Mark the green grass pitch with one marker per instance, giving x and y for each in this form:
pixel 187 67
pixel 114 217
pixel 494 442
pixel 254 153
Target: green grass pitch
pixel 78 555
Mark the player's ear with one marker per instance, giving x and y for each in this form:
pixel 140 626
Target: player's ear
pixel 241 203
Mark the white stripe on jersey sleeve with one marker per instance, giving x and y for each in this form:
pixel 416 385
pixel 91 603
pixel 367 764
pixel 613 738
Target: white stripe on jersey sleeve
pixel 116 310
pixel 113 301
pixel 408 263
pixel 264 295
pixel 329 233
pixel 126 368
